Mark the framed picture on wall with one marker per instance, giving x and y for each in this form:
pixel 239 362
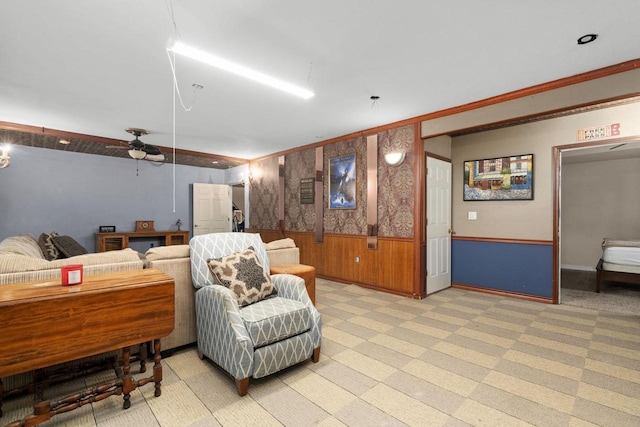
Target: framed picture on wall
pixel 342 182
pixel 501 178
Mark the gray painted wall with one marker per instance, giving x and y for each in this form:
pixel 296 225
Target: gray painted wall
pixel 599 199
pixel 71 193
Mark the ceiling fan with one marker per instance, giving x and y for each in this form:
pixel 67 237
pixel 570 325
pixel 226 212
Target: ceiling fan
pixel 139 150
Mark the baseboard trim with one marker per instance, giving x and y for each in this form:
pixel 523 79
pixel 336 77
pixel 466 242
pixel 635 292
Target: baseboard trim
pixel 527 297
pixel 368 286
pixel 577 267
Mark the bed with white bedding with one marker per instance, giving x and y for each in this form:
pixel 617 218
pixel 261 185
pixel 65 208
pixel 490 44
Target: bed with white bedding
pixel 620 262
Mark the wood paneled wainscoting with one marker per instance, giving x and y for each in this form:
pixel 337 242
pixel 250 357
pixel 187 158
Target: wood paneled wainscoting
pixel 345 258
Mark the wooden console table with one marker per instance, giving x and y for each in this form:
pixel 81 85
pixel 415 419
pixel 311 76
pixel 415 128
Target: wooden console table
pixel 114 241
pixel 45 324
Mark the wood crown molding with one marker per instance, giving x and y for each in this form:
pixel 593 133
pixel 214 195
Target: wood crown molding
pixel 42 137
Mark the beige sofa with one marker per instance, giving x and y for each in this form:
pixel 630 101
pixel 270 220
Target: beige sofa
pixel 174 260
pixel 21 260
pixel 283 251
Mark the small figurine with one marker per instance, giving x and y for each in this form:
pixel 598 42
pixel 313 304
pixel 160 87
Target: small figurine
pixel 179 224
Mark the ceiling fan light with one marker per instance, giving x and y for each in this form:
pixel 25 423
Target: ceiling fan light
pixel 137 154
pixel 155 157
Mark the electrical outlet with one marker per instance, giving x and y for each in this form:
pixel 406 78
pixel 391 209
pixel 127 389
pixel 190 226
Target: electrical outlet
pixel 357 259
pixel 472 216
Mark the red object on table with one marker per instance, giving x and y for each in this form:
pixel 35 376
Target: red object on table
pixel 71 274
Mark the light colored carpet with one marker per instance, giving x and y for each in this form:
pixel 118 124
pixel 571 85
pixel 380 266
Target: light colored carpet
pixel 578 289
pixel 456 358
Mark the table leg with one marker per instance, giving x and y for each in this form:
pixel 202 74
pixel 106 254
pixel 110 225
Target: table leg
pixel 157 367
pixel 127 380
pixel 143 357
pixel 1 394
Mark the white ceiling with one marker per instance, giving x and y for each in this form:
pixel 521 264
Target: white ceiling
pixel 616 151
pixel 97 67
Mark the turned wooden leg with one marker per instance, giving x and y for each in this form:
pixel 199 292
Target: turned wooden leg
pixel 242 386
pixel 127 381
pixel 143 357
pixel 316 355
pixel 39 384
pixel 157 367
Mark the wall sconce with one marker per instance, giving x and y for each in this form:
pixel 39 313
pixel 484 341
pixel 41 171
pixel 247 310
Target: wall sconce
pixel 4 158
pixel 255 175
pixel 394 159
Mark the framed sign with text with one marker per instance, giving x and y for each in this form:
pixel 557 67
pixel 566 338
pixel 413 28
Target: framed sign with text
pixel 307 191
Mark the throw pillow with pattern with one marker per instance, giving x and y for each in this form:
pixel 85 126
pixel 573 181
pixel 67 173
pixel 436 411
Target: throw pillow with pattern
pixel 68 246
pixel 244 275
pixel 49 250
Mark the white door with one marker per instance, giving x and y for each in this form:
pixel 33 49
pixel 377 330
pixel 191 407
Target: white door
pixel 438 225
pixel 211 208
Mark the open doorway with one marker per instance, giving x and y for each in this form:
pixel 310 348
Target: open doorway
pixel 238 206
pixel 597 198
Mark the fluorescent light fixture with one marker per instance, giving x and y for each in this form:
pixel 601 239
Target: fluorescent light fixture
pixel 215 61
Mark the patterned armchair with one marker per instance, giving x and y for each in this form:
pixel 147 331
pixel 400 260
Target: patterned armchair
pixel 258 339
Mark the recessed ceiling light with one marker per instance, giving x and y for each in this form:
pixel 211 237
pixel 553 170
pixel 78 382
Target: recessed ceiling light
pixel 64 142
pixel 587 38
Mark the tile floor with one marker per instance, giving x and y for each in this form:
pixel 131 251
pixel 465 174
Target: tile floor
pixel 457 358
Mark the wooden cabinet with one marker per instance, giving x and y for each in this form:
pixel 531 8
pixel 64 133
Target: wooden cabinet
pixel 114 241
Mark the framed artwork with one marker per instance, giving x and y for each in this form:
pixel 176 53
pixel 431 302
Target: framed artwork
pixel 107 229
pixel 502 178
pixel 342 182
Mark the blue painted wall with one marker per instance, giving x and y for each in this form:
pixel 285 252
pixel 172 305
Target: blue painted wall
pixel 46 190
pixel 514 267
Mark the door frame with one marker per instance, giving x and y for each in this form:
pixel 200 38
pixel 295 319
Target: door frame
pixel 419 213
pixel 245 197
pixel 557 167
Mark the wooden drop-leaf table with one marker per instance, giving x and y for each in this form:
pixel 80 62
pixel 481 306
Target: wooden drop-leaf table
pixel 46 324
